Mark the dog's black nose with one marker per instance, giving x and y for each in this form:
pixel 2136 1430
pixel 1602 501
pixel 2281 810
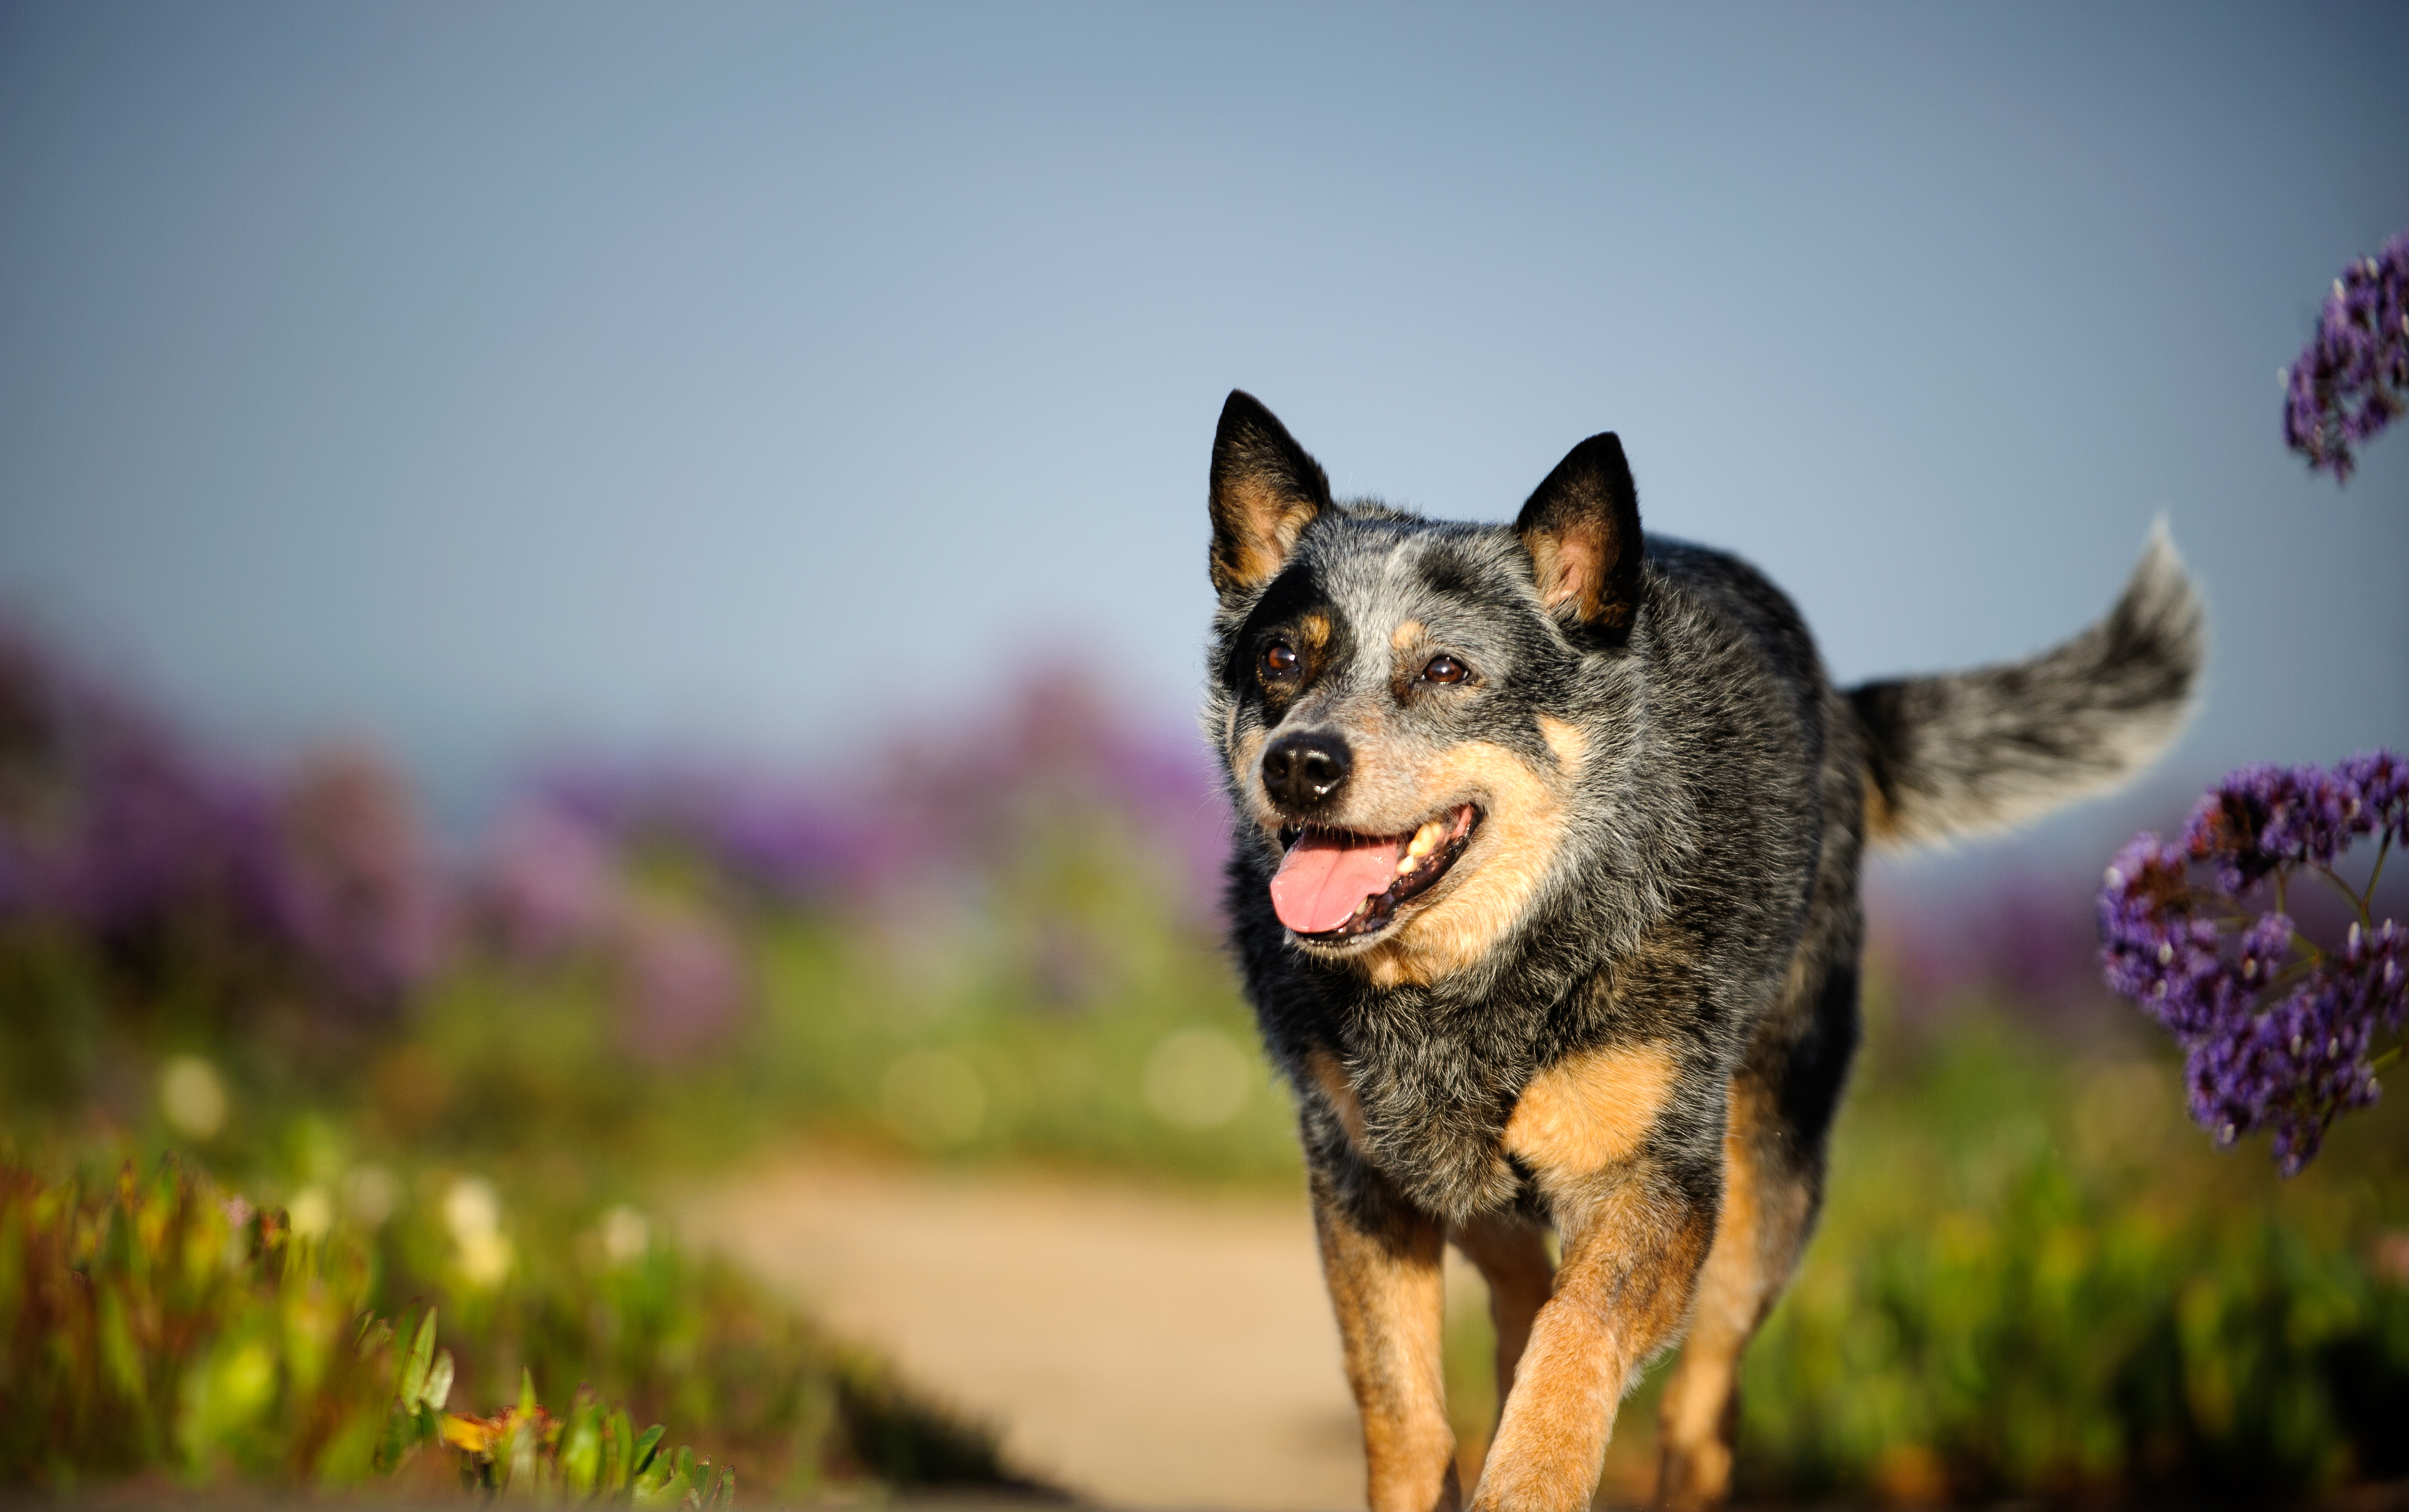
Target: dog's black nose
pixel 1302 770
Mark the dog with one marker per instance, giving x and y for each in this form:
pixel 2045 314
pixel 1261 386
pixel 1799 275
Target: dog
pixel 1544 891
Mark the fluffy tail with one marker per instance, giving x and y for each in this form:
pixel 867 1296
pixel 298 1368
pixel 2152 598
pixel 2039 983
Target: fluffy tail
pixel 1968 752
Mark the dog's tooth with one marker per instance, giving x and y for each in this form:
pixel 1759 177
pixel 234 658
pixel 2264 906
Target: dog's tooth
pixel 1426 838
pixel 1405 864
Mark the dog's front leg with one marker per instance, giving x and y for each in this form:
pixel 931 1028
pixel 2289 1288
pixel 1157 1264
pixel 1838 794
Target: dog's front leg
pixel 1382 1263
pixel 1633 1241
pixel 1512 1257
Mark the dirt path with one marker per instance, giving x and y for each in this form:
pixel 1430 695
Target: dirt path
pixel 1135 1347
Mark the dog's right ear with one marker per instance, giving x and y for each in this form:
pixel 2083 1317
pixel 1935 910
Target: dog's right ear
pixel 1265 491
pixel 1581 527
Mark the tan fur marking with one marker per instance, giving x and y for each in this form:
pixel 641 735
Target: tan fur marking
pixel 1391 1302
pixel 1315 629
pixel 1590 1111
pixel 1496 881
pixel 1569 741
pixel 1763 1225
pixel 1569 567
pixel 1334 1085
pixel 1408 635
pixel 1266 523
pixel 1630 1261
pixel 1882 822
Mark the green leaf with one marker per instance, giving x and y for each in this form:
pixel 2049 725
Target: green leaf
pixel 657 1482
pixel 581 1444
pixel 437 1389
pixel 647 1443
pixel 411 1387
pixel 618 1455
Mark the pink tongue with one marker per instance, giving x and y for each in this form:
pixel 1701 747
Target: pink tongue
pixel 1326 874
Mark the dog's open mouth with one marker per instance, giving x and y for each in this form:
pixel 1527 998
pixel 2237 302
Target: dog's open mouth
pixel 1336 884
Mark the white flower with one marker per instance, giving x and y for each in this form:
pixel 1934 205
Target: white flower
pixel 194 1096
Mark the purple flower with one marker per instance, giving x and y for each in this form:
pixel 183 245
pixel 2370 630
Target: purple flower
pixel 113 824
pixel 549 884
pixel 787 838
pixel 151 834
pixel 2381 778
pixel 684 977
pixel 2277 1033
pixel 362 898
pixel 2353 377
pixel 2263 818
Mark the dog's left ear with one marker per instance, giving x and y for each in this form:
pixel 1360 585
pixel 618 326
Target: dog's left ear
pixel 1265 491
pixel 1581 527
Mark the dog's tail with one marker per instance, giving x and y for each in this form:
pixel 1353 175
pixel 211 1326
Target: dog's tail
pixel 1968 752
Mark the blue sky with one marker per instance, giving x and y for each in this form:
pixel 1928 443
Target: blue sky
pixel 489 381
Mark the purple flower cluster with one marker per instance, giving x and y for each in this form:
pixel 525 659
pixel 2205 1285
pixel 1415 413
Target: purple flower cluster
pixel 2277 1032
pixel 1045 814
pixel 946 811
pixel 2353 377
pixel 554 884
pixel 1027 826
pixel 114 826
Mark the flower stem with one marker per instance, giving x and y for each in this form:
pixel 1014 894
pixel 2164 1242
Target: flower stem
pixel 2356 901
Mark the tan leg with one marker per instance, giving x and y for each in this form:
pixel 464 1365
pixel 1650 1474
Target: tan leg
pixel 1512 1257
pixel 1633 1244
pixel 1764 1225
pixel 1391 1305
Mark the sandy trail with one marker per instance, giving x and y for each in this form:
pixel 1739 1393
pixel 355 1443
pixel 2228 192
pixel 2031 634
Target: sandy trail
pixel 1136 1348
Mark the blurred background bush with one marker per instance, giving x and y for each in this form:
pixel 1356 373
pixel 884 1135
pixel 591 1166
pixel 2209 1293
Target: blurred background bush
pixel 493 1063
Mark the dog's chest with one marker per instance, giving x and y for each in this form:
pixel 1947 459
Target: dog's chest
pixel 1436 1102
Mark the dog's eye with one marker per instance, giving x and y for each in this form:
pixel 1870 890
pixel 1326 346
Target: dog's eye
pixel 1444 669
pixel 1279 659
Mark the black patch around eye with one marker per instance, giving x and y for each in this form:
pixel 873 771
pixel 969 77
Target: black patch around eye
pixel 1291 593
pixel 1280 615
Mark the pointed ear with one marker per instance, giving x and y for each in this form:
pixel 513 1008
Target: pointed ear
pixel 1265 491
pixel 1581 527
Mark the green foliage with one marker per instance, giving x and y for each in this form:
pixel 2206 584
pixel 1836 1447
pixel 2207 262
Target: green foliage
pixel 2030 1285
pixel 2033 1281
pixel 157 1326
pixel 941 1050
pixel 594 1452
pixel 164 1327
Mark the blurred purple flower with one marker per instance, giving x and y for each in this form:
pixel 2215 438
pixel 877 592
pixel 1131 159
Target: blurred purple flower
pixel 2027 939
pixel 154 834
pixel 684 977
pixel 2276 1032
pixel 946 815
pixel 1058 756
pixel 109 822
pixel 112 824
pixel 362 897
pixel 549 883
pixel 787 838
pixel 2353 377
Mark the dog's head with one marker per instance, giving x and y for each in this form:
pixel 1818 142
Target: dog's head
pixel 1394 697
